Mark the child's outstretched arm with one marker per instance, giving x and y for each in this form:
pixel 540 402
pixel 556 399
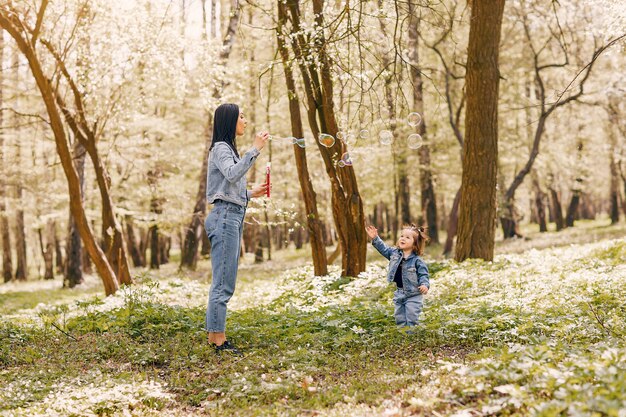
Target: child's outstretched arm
pixel 378 243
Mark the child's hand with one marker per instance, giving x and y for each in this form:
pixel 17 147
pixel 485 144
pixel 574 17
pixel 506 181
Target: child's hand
pixel 372 232
pixel 423 289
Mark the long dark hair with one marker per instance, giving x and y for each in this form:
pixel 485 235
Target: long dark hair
pixel 225 125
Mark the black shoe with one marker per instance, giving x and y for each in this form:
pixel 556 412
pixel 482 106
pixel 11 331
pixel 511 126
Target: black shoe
pixel 228 347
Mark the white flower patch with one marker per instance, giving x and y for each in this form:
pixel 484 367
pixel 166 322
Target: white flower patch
pixel 309 293
pixel 91 394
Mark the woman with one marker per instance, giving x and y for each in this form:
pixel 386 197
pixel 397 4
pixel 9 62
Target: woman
pixel 226 190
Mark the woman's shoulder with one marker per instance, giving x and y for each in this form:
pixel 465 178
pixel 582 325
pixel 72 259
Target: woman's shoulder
pixel 222 146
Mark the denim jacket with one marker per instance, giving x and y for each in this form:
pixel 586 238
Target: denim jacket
pixel 414 270
pixel 226 174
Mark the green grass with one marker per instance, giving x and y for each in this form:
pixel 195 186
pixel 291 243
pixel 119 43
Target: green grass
pixel 475 349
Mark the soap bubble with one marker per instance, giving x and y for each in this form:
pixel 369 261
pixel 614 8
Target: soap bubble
pixel 414 119
pixel 414 141
pixel 326 140
pixel 364 134
pixel 385 137
pixel 349 139
pixel 299 141
pixel 345 161
pixel 341 135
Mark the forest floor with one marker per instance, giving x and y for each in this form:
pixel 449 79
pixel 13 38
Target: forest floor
pixel 541 330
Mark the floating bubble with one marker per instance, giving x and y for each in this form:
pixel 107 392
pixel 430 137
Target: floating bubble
pixel 414 119
pixel 326 140
pixel 349 139
pixel 414 141
pixel 364 134
pixel 347 160
pixel 385 137
pixel 341 135
pixel 299 141
pixel 341 164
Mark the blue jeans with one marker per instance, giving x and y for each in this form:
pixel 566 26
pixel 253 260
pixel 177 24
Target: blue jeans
pixel 224 227
pixel 407 307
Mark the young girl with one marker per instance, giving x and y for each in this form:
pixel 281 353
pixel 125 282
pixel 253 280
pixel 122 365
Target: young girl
pixel 407 270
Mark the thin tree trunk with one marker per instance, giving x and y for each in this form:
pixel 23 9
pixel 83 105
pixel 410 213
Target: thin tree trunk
pixel 144 242
pixel 133 247
pixel 21 270
pixel 5 232
pixel 346 202
pixel 314 225
pixel 47 250
pixel 572 208
pixel 452 224
pixel 476 234
pixel 73 273
pixel 165 243
pixel 427 187
pixel 614 191
pixel 540 207
pixel 154 247
pixel 60 264
pixel 557 210
pixel 193 233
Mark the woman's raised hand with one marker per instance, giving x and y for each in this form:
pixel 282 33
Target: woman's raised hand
pixel 372 232
pixel 259 190
pixel 260 140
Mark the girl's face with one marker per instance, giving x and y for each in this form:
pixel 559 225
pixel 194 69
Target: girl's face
pixel 407 239
pixel 241 124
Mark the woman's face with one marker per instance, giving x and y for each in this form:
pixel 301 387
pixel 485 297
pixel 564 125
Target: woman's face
pixel 241 124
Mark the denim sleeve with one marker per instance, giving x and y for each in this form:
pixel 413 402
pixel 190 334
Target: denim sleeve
pixel 422 274
pixel 224 161
pixel 382 247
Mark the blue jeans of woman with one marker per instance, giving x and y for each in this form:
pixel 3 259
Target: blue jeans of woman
pixel 224 227
pixel 407 307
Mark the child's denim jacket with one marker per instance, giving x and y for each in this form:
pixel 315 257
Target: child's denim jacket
pixel 414 270
pixel 226 174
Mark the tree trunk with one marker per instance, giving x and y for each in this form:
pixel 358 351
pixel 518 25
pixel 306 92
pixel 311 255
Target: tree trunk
pixel 476 234
pixel 73 273
pixel 205 250
pixel 7 259
pixel 428 199
pixel 144 242
pixel 60 264
pixel 401 191
pixel 10 22
pixel 154 247
pixel 314 225
pixel 165 243
pixel 452 224
pixel 557 210
pixel 572 208
pixel 21 270
pixel 540 209
pixel 133 247
pixel 47 250
pixel 193 233
pixel 346 202
pixel 613 169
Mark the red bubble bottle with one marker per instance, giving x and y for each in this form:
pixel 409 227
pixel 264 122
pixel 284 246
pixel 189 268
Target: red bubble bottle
pixel 267 178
